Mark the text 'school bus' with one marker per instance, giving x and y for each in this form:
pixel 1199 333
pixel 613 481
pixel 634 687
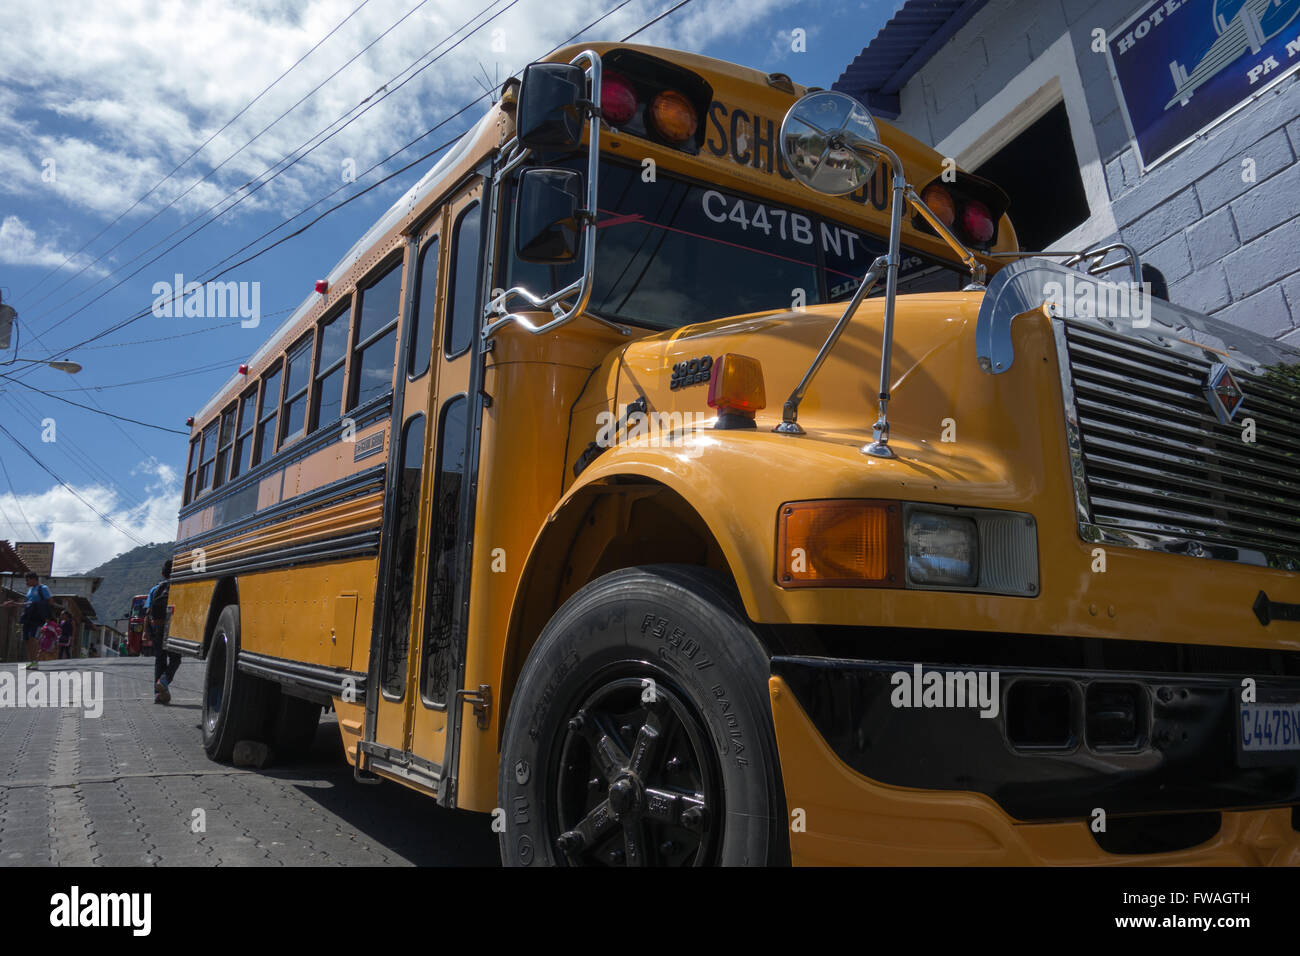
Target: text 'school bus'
pixel 1009 577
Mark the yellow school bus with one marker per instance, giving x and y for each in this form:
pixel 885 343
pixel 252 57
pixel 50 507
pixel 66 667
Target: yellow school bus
pixel 690 469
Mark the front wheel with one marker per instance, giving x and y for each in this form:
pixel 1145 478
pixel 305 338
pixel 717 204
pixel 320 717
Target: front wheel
pixel 640 731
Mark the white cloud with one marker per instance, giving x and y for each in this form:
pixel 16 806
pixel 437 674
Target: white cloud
pixel 82 539
pixel 20 246
pixel 118 93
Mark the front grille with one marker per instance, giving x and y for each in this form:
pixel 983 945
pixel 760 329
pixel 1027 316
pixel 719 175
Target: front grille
pixel 1158 468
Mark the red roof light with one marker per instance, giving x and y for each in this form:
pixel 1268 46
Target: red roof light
pixel 617 99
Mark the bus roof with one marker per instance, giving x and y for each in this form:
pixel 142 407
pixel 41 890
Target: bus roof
pixel 428 183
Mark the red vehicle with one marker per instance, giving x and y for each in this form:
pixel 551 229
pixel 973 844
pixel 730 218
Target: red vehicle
pixel 137 633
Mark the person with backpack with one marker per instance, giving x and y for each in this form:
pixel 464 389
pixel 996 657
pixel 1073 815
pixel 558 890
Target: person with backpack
pixel 36 611
pixel 155 612
pixel 66 627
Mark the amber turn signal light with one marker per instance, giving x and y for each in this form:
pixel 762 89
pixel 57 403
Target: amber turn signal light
pixel 844 542
pixel 736 385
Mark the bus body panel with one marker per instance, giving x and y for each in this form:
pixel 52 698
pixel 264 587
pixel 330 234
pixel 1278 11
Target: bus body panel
pixel 851 820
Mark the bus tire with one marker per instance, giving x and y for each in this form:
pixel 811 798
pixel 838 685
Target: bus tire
pixel 235 705
pixel 658 660
pixel 293 726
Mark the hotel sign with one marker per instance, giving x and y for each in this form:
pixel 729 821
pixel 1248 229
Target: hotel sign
pixel 1183 65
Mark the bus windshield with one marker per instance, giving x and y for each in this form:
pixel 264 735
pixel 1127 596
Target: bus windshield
pixel 673 252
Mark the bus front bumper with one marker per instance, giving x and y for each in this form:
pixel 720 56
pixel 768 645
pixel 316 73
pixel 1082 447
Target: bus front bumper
pixel 884 764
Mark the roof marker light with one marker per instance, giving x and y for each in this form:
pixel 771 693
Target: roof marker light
pixel 618 100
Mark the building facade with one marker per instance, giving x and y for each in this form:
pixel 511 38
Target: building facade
pixel 1173 125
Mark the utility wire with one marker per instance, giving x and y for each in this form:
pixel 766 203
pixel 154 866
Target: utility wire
pixel 197 150
pixel 99 411
pixel 14 494
pixel 73 491
pixel 209 173
pixel 137 317
pixel 166 376
pixel 78 456
pixel 274 175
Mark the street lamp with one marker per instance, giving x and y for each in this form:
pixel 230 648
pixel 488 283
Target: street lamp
pixel 72 368
pixel 8 322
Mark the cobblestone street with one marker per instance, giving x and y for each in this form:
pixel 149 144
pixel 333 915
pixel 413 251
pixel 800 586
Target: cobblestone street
pixel 122 789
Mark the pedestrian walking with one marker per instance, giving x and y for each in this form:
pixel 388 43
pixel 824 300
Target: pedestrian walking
pixel 49 637
pixel 66 627
pixel 36 610
pixel 155 615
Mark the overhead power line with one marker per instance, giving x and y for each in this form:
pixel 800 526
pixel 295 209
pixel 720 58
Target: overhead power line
pixel 73 491
pixel 279 172
pixel 98 411
pixel 177 167
pixel 131 319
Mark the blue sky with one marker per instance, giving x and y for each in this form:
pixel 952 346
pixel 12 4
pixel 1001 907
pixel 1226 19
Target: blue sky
pixel 101 101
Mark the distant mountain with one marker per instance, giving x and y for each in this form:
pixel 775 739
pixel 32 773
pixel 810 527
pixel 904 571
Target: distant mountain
pixel 130 573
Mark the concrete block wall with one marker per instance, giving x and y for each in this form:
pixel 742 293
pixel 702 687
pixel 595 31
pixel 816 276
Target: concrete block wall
pixel 1229 246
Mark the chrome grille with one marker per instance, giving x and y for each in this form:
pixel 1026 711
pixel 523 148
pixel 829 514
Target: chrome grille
pixel 1155 469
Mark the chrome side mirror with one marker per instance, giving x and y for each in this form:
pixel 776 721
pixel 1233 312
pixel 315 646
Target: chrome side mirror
pixel 832 146
pixel 548 215
pixel 550 112
pixel 830 142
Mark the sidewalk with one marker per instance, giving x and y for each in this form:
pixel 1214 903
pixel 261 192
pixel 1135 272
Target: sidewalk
pixel 133 787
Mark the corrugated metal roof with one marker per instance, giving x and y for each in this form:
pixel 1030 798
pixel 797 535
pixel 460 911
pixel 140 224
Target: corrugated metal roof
pixel 912 35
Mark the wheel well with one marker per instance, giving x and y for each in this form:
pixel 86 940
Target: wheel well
pixel 607 526
pixel 226 592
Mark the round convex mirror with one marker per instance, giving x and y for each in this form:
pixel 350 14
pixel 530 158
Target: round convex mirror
pixel 822 140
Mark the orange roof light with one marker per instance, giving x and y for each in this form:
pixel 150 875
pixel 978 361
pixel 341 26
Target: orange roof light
pixel 736 385
pixel 673 116
pixel 941 204
pixel 839 543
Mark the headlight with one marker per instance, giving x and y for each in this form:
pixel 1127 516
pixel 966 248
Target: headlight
pixel 973 549
pixel 942 550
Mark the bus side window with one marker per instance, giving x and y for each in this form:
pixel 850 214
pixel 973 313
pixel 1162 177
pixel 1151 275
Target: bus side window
pixel 425 316
pixel 461 314
pixel 293 415
pixel 268 412
pixel 376 337
pixel 207 455
pixel 190 471
pixel 331 357
pixel 440 646
pixel 397 635
pixel 243 457
pixel 224 441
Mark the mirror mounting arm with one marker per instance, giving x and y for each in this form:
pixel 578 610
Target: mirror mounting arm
pixel 790 412
pixel 564 311
pixel 978 272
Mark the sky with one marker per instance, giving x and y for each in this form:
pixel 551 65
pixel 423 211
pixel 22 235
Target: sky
pixel 130 128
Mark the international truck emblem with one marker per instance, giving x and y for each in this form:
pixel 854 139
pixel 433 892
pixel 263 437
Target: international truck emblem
pixel 1223 393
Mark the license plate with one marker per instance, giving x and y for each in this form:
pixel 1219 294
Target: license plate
pixel 1269 727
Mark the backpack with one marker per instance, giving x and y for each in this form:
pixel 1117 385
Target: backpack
pixel 48 634
pixel 158 602
pixel 39 612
